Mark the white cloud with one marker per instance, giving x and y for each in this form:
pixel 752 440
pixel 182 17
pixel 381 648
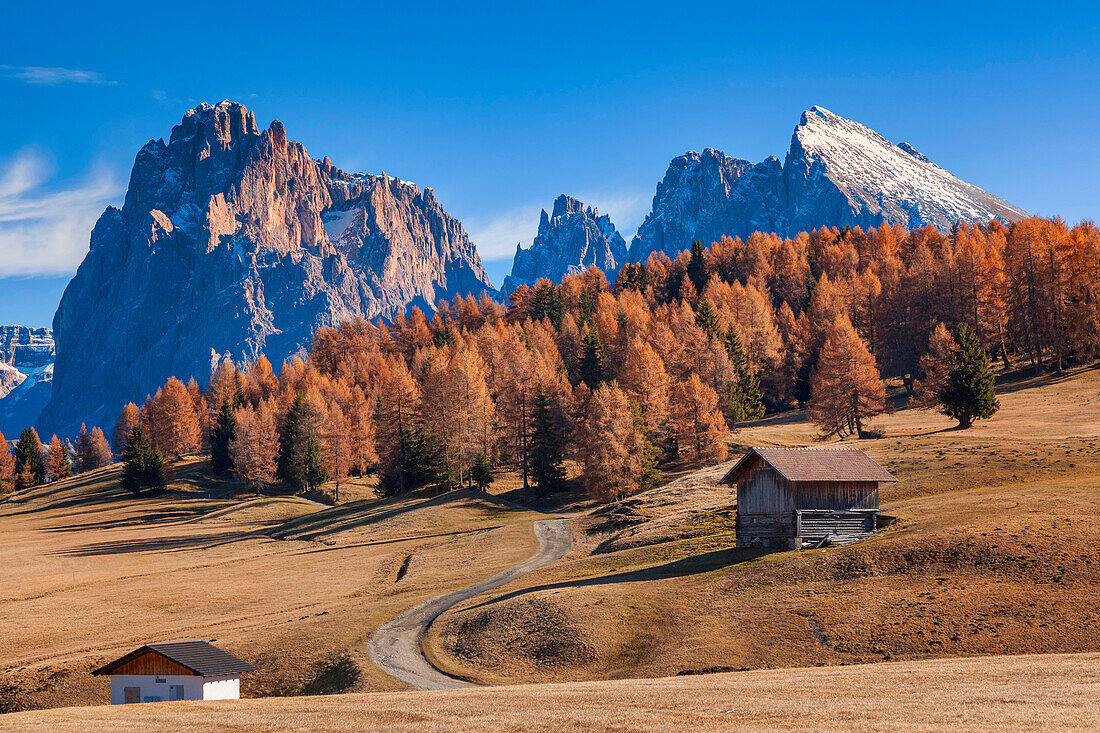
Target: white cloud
pixel 496 237
pixel 52 75
pixel 44 231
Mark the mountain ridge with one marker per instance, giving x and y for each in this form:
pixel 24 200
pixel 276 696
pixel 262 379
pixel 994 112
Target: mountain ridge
pixel 221 251
pixel 836 172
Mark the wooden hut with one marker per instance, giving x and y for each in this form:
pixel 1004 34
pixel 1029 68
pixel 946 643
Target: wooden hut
pixel 787 496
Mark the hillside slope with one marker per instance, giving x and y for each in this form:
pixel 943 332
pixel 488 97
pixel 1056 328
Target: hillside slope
pixel 88 572
pixel 996 552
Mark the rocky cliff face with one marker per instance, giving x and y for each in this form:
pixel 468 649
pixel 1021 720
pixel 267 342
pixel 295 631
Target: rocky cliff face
pixel 233 241
pixel 571 239
pixel 26 374
pixel 837 172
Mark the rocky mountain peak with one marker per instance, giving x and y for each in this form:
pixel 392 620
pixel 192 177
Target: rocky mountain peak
pixel 836 172
pixel 234 242
pixel 572 239
pixel 567 205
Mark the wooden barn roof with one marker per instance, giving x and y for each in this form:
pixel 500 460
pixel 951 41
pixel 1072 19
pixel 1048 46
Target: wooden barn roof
pixel 814 464
pixel 201 657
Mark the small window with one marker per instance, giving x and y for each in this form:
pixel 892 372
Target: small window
pixel 161 680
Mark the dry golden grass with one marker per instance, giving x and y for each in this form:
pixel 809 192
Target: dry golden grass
pixel 88 572
pixel 997 552
pixel 1033 693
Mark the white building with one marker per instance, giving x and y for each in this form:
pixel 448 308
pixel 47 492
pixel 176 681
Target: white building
pixel 181 670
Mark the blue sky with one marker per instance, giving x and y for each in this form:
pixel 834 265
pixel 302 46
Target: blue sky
pixel 500 109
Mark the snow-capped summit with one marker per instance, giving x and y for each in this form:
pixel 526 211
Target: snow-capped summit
pixel 878 180
pixel 837 172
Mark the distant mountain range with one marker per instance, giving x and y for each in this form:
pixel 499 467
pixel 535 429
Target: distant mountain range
pixel 234 242
pixel 26 375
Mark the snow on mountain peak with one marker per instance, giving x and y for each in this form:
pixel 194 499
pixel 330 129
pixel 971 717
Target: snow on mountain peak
pixel 883 179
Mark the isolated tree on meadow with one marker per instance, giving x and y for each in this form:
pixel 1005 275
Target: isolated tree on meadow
pixel 254 447
pixel 143 465
pixel 30 469
pixel 846 388
pixel 90 450
pixel 968 392
pixel 59 465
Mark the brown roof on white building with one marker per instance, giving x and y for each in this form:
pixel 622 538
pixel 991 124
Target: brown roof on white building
pixel 201 657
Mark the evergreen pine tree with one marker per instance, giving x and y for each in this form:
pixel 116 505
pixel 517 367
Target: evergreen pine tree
pixel 545 448
pixel 220 458
pixel 481 473
pixel 668 441
pixel 414 467
pixel 546 302
pixel 30 469
pixel 293 445
pixel 593 365
pixel 707 319
pixel 143 465
pixel 697 267
pixel 968 393
pixel 315 471
pixel 747 401
pixel 584 308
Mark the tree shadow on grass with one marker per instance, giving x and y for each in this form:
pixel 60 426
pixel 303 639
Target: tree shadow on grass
pixel 370 511
pixel 692 565
pixel 182 543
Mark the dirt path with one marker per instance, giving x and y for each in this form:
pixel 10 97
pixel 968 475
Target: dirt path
pixel 396 646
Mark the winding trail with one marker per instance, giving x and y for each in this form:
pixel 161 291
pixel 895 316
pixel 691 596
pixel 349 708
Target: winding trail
pixel 397 645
